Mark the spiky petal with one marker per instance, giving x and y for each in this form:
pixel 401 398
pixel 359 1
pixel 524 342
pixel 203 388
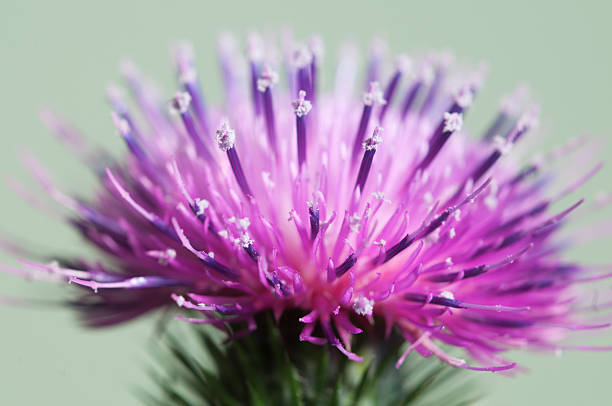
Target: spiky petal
pixel 441 236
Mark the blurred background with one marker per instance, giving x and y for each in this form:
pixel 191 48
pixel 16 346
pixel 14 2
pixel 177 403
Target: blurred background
pixel 62 53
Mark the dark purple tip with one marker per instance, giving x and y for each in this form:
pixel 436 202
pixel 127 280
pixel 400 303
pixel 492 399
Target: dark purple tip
pixel 197 104
pixel 252 252
pixel 180 104
pixel 264 85
pixel 302 108
pixel 268 108
pixel 455 276
pixel 411 97
pixel 232 155
pixel 389 94
pixel 370 146
pixel 399 247
pixel 433 92
pixel 451 123
pixel 499 126
pixel 432 299
pixel 363 126
pixel 255 94
pixel 346 265
pixel 313 213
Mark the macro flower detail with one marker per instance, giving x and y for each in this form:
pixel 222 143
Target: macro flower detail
pixel 294 202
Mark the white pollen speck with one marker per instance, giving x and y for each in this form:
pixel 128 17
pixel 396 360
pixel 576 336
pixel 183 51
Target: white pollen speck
pixel 180 301
pixel 302 57
pixel 425 177
pixel 245 241
pixel 363 306
pixel 244 223
pixel 428 197
pixel 163 257
pixel 315 46
pixel 223 234
pixel 435 235
pixel 122 125
pixel 254 47
pixel 494 187
pixel 465 96
pixel 380 243
pixel 267 179
pixel 225 136
pixel 528 120
pixel 344 152
pixel 499 141
pixel 491 202
pixel 381 196
pixel 503 146
pixel 426 73
pixel 180 103
pixel 54 267
pixel 188 76
pixel 374 96
pixel 293 169
pixel 452 233
pixel 355 222
pixel 301 105
pixel 211 254
pixel 458 215
pixel 372 142
pixel 191 151
pixel 403 63
pixel 449 261
pixel 201 204
pixel 447 295
pixel 267 79
pixel 452 122
pixel 138 281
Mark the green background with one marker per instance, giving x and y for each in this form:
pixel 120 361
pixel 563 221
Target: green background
pixel 63 53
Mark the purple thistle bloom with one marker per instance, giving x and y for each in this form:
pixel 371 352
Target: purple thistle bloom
pixel 299 199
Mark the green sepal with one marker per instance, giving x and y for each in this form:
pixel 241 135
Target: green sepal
pixel 270 366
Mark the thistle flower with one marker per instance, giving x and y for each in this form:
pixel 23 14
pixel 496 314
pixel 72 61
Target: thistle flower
pixel 291 198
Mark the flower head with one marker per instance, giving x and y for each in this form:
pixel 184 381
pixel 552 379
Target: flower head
pixel 438 235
